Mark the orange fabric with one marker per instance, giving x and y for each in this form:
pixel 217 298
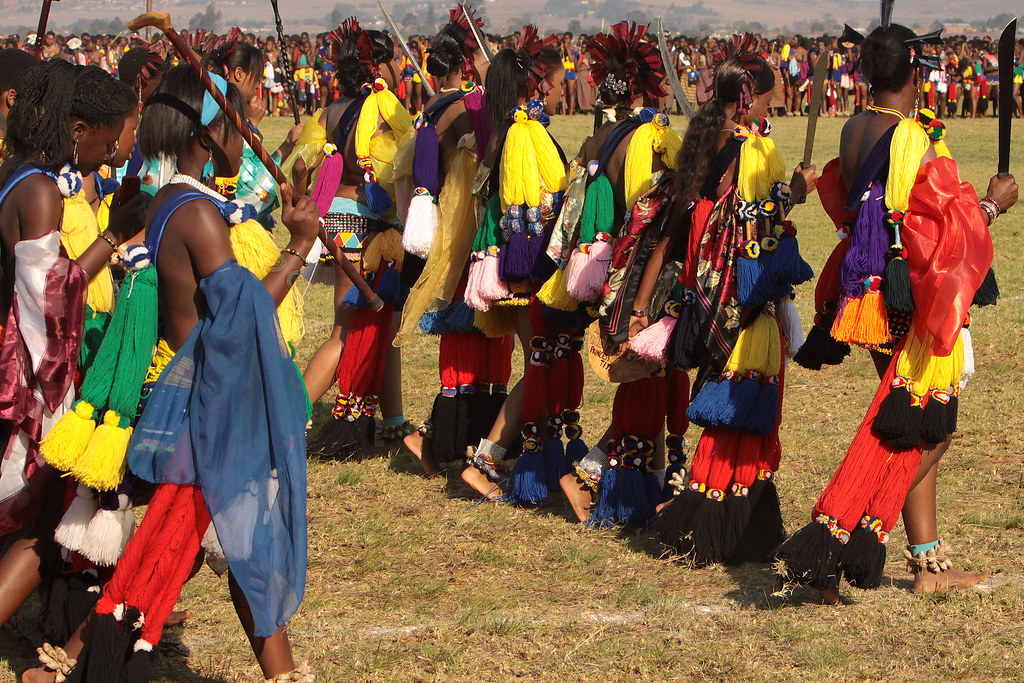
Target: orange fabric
pixel 949 251
pixel 832 192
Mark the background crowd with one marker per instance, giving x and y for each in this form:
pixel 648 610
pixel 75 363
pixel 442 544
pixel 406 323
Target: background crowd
pixel 966 87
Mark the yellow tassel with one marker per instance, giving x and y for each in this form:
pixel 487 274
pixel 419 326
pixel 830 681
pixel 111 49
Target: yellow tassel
pixel 102 465
pixel 530 163
pixel 385 246
pixel 555 295
pixel 925 371
pixel 758 347
pixel 380 104
pixel 79 229
pixel 497 322
pixel 863 321
pixel 254 249
pixel 760 167
pixel 65 443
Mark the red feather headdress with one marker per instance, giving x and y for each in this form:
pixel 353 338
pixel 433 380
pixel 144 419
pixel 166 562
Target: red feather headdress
pixel 350 31
pixel 645 72
pixel 470 45
pixel 203 42
pixel 154 64
pixel 742 48
pixel 530 45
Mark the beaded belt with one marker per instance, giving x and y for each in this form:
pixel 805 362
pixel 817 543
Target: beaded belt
pixel 350 231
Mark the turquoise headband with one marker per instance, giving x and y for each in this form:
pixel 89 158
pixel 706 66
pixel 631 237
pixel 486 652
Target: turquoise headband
pixel 210 107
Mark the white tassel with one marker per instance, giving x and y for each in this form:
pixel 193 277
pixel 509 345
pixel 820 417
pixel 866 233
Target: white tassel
pixel 792 329
pixel 71 531
pixel 420 224
pixel 211 544
pixel 968 340
pixel 108 533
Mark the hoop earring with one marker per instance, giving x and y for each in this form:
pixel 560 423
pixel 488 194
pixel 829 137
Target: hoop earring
pixel 74 155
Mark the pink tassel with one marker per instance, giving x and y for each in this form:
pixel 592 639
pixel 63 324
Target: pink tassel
pixel 577 262
pixel 586 283
pixel 491 286
pixel 652 343
pixel 472 295
pixel 327 182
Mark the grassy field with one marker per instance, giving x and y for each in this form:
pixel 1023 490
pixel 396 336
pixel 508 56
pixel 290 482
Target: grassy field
pixel 407 583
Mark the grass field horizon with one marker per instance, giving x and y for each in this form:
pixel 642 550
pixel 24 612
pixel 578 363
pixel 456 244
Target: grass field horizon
pixel 408 582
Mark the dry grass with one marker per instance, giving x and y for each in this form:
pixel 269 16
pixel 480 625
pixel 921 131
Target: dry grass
pixel 407 583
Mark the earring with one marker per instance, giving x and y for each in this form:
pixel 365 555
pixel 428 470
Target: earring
pixel 74 154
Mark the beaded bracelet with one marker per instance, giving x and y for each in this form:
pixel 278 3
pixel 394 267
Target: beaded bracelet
pixel 289 250
pixel 112 243
pixel 990 207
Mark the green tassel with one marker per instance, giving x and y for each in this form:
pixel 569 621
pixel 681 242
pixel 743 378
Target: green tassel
pixel 92 336
pixel 988 293
pixel 598 210
pixel 896 285
pixel 489 234
pixel 137 307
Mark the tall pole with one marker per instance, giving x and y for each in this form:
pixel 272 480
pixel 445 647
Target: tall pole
pixel 149 29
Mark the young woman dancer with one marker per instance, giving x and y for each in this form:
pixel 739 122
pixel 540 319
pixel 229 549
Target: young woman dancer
pixel 914 251
pixel 733 318
pixel 44 289
pixel 351 146
pixel 213 474
pixel 521 192
pixel 434 176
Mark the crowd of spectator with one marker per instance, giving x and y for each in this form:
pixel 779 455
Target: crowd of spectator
pixel 967 86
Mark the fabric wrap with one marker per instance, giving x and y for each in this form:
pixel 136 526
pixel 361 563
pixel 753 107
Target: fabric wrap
pixel 949 250
pixel 226 415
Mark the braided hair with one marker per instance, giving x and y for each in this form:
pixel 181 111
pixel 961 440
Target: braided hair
pixel 39 124
pixel 507 78
pixel 885 58
pixel 238 55
pixel 700 142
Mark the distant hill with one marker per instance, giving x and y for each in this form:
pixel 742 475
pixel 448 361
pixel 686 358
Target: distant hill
pixel 808 16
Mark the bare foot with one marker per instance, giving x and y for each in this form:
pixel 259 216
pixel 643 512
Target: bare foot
pixel 479 482
pixel 581 498
pixel 177 618
pixel 929 582
pixel 830 596
pixel 38 675
pixel 14 646
pixel 420 447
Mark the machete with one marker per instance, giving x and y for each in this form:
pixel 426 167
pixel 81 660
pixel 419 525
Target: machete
pixel 405 48
pixel 1007 107
pixel 817 92
pixel 481 40
pixel 670 71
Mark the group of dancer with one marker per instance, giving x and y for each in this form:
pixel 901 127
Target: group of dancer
pixel 149 329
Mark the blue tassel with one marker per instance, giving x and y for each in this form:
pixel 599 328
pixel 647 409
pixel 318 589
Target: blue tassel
pixel 459 316
pixel 628 497
pixel 543 267
pixel 353 299
pixel 435 322
pixel 575 451
pixel 751 279
pixel 389 286
pixel 667 492
pixel 706 408
pixel 514 259
pixel 377 198
pixel 789 266
pixel 760 416
pixel 741 398
pixel 529 479
pixel 554 461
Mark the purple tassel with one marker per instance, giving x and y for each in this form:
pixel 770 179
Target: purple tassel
pixel 516 257
pixel 426 170
pixel 869 243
